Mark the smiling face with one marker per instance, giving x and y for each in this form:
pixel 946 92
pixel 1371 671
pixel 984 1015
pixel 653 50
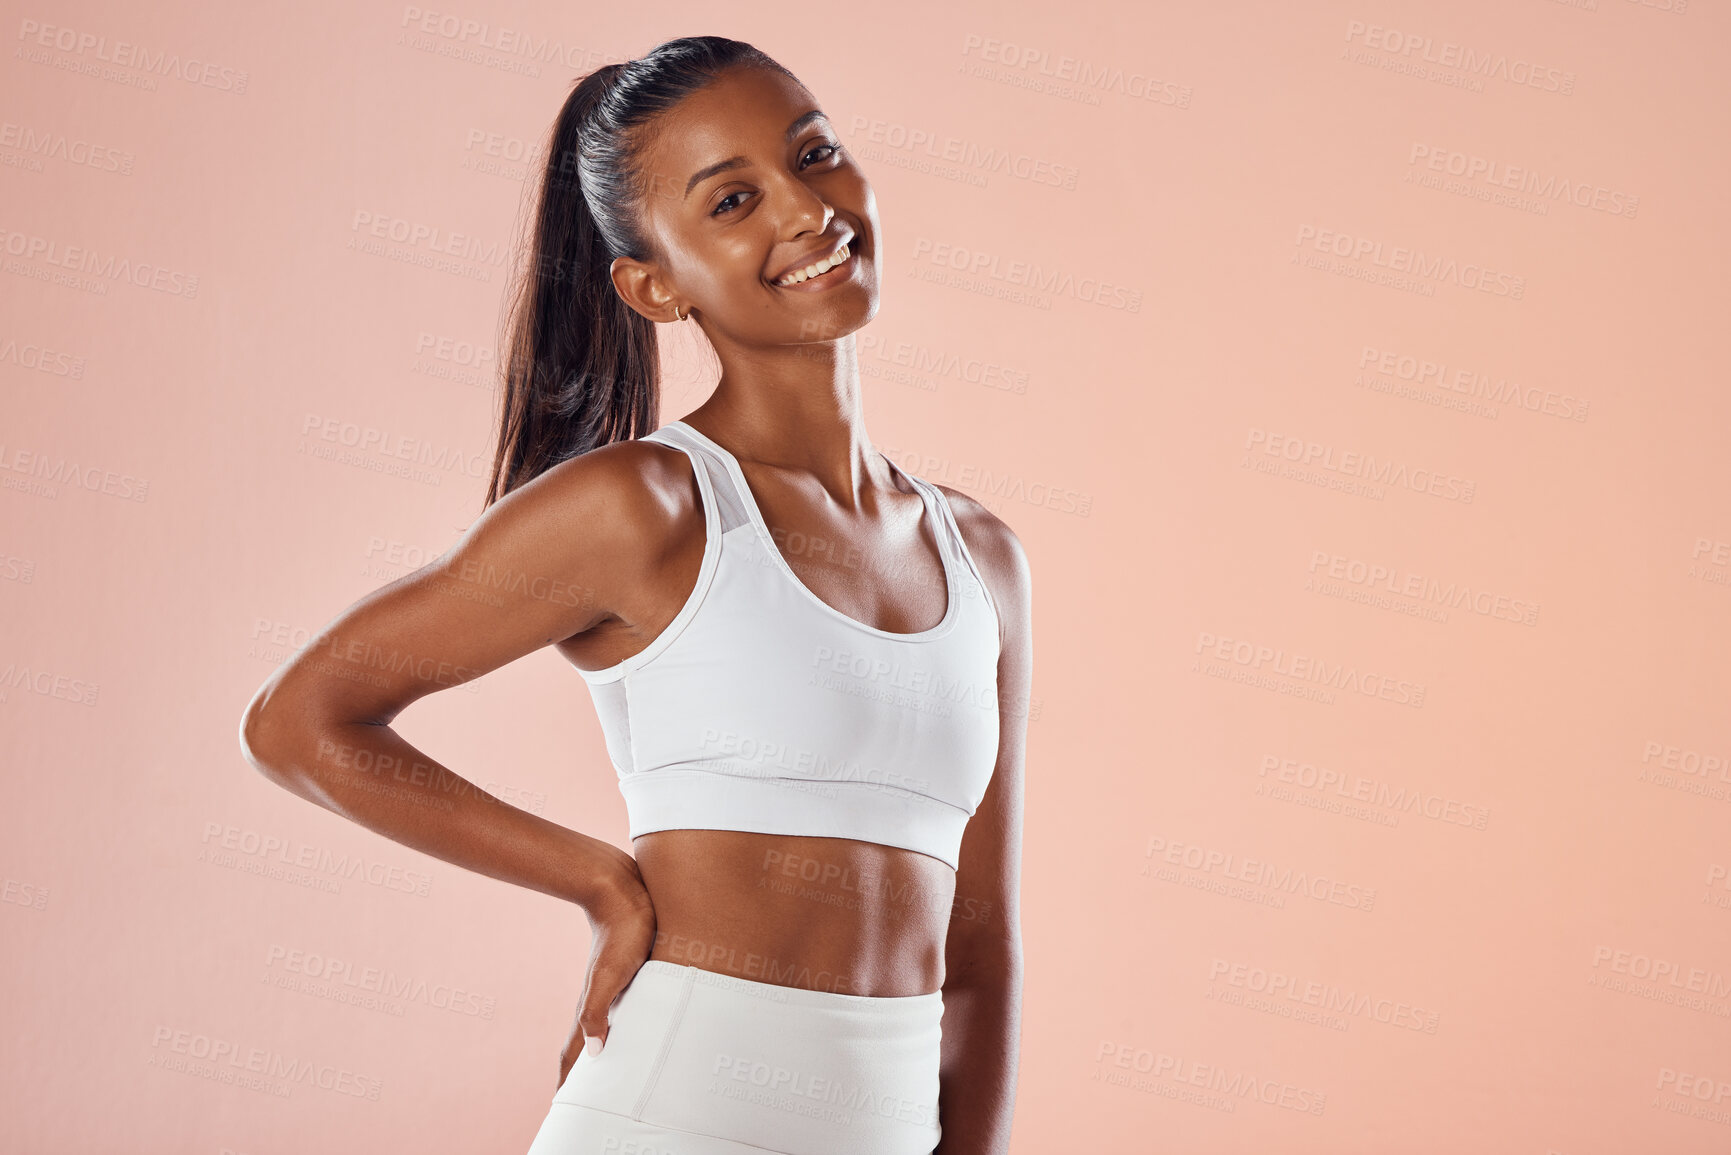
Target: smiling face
pixel 746 181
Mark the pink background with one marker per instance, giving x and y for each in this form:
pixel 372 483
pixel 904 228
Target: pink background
pixel 1378 512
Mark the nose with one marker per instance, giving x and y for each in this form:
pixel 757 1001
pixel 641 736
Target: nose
pixel 803 209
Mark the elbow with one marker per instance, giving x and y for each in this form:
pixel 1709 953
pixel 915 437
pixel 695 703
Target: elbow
pixel 254 737
pixel 262 740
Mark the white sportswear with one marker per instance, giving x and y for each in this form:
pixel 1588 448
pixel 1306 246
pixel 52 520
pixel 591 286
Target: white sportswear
pixel 763 708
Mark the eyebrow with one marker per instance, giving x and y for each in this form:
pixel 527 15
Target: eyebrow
pixel 793 130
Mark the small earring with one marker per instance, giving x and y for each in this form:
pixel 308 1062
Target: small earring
pixel 676 315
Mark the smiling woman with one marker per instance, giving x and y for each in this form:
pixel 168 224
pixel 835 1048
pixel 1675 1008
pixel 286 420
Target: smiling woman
pixel 797 652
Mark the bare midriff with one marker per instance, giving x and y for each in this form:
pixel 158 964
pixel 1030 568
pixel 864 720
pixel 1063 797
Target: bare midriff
pixel 827 914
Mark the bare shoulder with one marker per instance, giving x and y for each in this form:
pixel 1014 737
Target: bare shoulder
pixel 626 471
pixel 628 500
pixel 996 550
pixel 593 532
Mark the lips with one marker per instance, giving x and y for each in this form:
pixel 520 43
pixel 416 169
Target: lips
pixel 816 256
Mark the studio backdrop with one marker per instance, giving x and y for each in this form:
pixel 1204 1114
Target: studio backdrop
pixel 1352 372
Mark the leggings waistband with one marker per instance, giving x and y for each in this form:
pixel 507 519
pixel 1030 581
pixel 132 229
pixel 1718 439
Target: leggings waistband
pixel 783 1068
pixel 886 1005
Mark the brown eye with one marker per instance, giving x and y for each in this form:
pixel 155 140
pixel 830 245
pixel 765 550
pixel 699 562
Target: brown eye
pixel 835 149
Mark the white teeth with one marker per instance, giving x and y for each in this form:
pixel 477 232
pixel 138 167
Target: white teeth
pixel 816 268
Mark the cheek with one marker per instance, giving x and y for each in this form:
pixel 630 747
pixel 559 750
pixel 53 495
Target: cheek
pixel 729 264
pixel 860 194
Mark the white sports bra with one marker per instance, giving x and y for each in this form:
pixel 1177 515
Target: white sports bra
pixel 761 707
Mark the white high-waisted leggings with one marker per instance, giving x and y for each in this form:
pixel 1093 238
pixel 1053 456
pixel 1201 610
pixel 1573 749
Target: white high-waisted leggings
pixel 701 1063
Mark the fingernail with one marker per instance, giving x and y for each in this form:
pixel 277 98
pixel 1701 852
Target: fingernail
pixel 592 1046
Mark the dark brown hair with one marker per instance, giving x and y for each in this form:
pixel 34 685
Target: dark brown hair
pixel 581 367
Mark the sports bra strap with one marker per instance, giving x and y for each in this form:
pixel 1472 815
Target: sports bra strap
pixel 958 545
pixel 713 479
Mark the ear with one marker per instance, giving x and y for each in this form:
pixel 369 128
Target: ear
pixel 639 285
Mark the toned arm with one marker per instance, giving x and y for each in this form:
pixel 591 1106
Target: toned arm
pixel 553 558
pixel 983 952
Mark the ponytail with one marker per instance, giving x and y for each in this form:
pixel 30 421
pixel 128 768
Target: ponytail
pixel 581 367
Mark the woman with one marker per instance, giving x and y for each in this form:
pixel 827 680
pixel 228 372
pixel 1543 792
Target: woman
pixel 797 651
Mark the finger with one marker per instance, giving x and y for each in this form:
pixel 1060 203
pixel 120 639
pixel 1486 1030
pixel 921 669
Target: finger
pixel 592 1019
pixel 595 1037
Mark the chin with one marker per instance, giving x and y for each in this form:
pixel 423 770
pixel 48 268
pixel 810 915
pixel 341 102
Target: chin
pixel 838 317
